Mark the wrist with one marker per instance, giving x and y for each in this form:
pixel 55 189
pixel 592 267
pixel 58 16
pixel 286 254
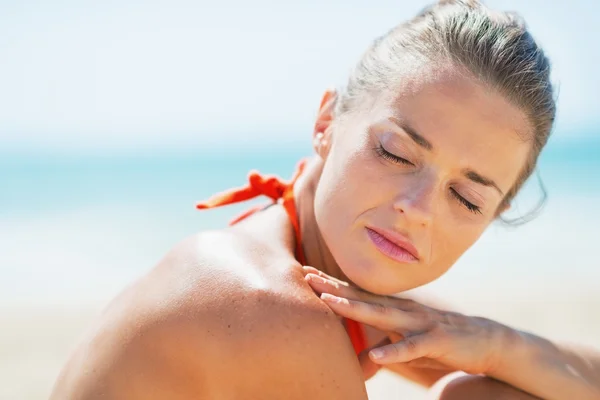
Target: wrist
pixel 507 348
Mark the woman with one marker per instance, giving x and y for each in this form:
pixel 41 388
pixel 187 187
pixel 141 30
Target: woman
pixel 440 124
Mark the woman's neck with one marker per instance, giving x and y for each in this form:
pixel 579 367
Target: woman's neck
pixel 315 249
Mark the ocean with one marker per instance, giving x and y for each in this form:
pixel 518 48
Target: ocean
pixel 77 228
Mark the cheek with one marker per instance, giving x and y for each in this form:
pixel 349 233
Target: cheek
pixel 448 245
pixel 338 193
pixel 348 188
pixel 351 183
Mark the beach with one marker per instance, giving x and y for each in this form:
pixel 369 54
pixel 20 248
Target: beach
pixel 35 342
pixel 75 231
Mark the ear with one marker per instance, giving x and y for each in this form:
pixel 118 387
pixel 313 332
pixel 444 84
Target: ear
pixel 322 128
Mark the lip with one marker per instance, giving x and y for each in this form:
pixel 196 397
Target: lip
pixel 393 245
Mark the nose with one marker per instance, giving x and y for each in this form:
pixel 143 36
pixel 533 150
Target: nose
pixel 416 200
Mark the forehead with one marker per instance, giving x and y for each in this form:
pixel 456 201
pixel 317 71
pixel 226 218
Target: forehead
pixel 468 123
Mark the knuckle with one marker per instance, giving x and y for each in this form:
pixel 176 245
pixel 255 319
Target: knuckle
pixel 441 335
pixel 352 304
pixel 410 345
pixel 451 319
pixel 397 352
pixel 438 328
pixel 422 320
pixel 381 309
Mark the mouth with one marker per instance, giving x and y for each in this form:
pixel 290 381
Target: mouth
pixel 393 245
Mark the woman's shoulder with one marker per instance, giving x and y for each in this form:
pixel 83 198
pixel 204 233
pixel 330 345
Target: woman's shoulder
pixel 256 318
pixel 232 277
pixel 219 305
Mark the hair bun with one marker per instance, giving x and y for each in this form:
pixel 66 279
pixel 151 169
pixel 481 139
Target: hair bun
pixel 464 3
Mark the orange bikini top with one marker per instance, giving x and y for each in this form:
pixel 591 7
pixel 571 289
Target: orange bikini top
pixel 279 191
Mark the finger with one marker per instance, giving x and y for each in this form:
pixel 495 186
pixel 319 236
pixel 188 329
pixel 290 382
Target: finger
pixel 320 284
pixel 408 349
pixel 377 315
pixel 324 285
pixel 369 368
pixel 312 270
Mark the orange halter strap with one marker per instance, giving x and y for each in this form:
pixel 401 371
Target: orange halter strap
pixel 270 186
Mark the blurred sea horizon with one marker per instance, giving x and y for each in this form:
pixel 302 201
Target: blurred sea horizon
pixel 76 228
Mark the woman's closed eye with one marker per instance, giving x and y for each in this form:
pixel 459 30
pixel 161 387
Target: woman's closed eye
pixel 467 204
pixel 382 152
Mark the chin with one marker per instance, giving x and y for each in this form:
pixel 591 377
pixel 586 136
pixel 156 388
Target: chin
pixel 374 276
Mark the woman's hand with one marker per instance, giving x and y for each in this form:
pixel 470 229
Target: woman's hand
pixel 421 336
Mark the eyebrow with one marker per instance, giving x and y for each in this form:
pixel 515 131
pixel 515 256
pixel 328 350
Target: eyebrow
pixel 475 177
pixel 416 137
pixel 426 144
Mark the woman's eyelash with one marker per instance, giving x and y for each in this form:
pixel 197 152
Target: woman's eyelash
pixel 399 160
pixel 470 206
pixel 391 157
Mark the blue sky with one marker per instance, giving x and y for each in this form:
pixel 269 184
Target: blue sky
pixel 114 75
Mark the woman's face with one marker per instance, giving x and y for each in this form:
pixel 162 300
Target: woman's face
pixel 426 168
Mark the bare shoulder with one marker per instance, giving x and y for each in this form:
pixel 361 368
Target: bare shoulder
pixel 281 342
pixel 217 318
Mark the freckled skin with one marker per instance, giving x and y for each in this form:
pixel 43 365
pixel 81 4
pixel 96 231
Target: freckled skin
pixel 201 325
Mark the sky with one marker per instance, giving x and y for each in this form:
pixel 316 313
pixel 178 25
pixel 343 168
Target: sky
pixel 129 74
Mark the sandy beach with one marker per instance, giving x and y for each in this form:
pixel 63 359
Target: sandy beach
pixel 35 341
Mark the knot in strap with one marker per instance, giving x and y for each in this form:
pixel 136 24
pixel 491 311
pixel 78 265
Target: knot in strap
pixel 269 186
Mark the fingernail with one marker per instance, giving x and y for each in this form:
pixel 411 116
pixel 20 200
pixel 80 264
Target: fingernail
pixel 331 298
pixel 377 354
pixel 315 278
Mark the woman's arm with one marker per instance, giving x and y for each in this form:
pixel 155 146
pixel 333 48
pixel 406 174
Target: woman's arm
pixel 546 369
pixel 479 346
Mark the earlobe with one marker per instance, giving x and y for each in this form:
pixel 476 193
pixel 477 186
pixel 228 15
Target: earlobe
pixel 321 145
pixel 318 142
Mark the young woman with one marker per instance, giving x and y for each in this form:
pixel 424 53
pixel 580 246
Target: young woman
pixel 439 126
